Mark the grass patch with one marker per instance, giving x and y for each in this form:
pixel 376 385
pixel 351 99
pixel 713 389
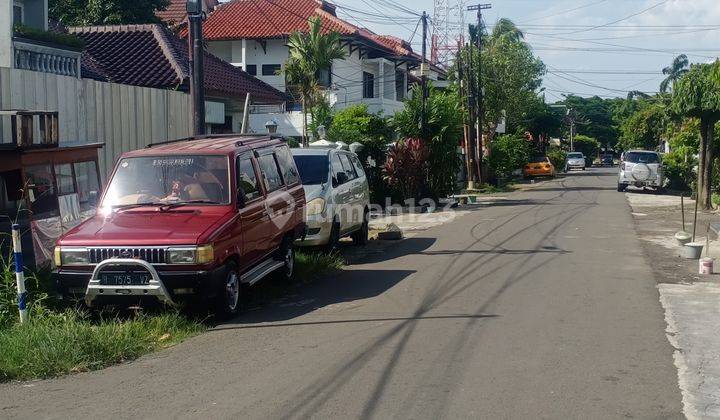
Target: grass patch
pixel 492 189
pixel 59 343
pixel 59 340
pixel 310 265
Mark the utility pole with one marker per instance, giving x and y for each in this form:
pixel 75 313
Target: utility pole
pixel 479 146
pixel 572 130
pixel 195 54
pixel 462 83
pixel 423 78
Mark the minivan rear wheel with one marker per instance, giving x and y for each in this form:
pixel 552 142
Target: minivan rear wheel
pixel 621 187
pixel 286 254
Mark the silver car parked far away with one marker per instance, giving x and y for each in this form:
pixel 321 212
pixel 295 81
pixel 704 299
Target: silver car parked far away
pixel 337 195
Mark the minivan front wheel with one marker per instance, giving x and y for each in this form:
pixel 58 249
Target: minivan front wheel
pixel 334 239
pixel 227 300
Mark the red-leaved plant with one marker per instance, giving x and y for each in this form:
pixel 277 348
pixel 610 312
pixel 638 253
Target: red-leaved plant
pixel 405 168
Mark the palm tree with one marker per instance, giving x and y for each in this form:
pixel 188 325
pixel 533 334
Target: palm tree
pixel 674 71
pixel 506 29
pixel 310 54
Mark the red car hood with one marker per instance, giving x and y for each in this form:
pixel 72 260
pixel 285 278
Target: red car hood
pixel 182 226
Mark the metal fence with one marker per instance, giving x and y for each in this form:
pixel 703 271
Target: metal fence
pixel 121 116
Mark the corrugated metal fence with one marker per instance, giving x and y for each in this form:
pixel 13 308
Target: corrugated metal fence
pixel 121 116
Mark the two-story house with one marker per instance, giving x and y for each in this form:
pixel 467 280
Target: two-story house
pixel 30 52
pixel 253 34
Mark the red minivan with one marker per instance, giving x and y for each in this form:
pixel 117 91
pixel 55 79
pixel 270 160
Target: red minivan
pixel 197 217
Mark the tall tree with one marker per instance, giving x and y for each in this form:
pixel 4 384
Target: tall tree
pixel 310 54
pixel 697 94
pixel 105 12
pixel 674 72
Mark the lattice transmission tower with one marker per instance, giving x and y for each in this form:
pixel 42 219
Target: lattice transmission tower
pixel 448 28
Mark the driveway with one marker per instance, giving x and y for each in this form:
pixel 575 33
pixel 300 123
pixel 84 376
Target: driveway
pixel 540 305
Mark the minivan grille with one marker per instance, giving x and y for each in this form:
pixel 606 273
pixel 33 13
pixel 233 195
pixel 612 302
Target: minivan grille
pixel 151 255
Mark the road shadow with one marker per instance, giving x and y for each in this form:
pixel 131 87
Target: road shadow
pixel 499 251
pixel 379 251
pixel 674 193
pixel 584 188
pixel 341 287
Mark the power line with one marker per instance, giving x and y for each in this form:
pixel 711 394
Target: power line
pixel 566 11
pixel 618 20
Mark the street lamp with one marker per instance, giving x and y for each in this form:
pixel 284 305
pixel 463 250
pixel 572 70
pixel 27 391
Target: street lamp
pixel 271 126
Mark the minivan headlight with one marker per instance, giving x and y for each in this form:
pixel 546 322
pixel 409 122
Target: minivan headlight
pixel 315 206
pixel 71 256
pixel 190 255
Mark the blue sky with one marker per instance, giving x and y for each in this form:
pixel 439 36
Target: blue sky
pixel 591 47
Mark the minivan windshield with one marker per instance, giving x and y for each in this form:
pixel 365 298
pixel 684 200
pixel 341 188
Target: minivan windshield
pixel 166 180
pixel 642 157
pixel 313 168
pixel 575 155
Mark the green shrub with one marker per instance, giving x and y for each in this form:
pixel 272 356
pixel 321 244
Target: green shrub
pixel 67 40
pixel 406 168
pixel 508 154
pixel 679 166
pixel 356 124
pixel 443 134
pixel 557 158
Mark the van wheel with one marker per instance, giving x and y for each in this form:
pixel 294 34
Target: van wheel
pixel 286 254
pixel 621 187
pixel 360 237
pixel 227 301
pixel 334 238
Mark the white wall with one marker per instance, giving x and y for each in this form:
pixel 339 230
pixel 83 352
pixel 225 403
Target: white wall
pixel 232 51
pixel 121 116
pixel 6 50
pixel 289 123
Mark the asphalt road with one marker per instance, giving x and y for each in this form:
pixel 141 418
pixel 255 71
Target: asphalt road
pixel 538 306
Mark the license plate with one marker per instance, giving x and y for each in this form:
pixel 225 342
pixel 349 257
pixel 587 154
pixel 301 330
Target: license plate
pixel 125 279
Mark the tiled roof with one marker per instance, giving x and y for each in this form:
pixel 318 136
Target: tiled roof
pixel 259 19
pixel 151 56
pixel 176 12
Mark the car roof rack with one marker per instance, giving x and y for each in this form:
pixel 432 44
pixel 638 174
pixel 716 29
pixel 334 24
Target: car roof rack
pixel 212 136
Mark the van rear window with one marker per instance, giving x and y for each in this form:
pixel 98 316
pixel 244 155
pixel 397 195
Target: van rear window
pixel 641 157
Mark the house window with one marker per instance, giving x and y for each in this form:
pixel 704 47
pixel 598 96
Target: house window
pixel 40 192
pixel 400 88
pixel 86 177
pixel 251 69
pixel 368 85
pixel 271 69
pixel 17 14
pixel 64 179
pixel 324 78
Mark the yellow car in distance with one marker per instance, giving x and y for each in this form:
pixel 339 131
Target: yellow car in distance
pixel 539 166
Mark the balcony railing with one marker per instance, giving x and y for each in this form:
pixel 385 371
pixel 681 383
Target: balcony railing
pixel 39 56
